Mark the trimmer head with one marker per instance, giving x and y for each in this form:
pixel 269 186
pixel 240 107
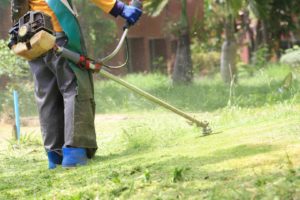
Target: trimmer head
pixel 206 130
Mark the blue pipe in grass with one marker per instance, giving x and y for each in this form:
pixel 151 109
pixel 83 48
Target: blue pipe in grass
pixel 17 114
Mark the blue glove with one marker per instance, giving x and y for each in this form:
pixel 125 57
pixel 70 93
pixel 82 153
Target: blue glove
pixel 131 14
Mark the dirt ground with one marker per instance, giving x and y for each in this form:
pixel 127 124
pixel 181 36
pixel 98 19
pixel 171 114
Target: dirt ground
pixel 31 124
pixel 5 132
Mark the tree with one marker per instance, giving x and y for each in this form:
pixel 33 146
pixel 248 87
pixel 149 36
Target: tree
pixel 229 47
pixel 183 63
pixel 231 9
pixel 279 23
pixel 275 20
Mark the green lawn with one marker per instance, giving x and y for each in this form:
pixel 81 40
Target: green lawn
pixel 149 153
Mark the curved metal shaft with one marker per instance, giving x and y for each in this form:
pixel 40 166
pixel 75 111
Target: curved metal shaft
pixel 117 49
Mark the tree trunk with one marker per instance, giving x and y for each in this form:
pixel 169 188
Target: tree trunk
pixel 183 63
pixel 228 54
pixel 250 33
pixel 228 61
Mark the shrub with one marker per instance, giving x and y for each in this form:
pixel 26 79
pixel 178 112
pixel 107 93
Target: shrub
pixel 14 75
pixel 11 65
pixel 206 63
pixel 291 57
pixel 260 57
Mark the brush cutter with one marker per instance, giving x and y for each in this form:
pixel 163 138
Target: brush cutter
pixel 103 68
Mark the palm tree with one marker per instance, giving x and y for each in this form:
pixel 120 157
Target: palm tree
pixel 229 47
pixel 183 63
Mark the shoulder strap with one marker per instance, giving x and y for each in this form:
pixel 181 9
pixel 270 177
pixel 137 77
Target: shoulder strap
pixel 69 24
pixel 72 10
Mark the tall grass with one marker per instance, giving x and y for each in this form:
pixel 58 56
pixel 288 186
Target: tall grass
pixel 204 94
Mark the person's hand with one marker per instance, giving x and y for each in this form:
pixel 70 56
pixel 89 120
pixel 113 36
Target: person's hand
pixel 131 14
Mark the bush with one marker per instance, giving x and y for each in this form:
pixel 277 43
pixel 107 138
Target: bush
pixel 206 63
pixel 11 65
pixel 260 57
pixel 291 57
pixel 14 75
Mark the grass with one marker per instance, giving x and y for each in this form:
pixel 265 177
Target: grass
pixel 204 95
pixel 148 153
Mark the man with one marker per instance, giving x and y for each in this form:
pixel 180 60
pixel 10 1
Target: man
pixel 64 92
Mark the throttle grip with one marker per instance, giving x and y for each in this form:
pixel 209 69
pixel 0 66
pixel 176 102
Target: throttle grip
pixel 137 4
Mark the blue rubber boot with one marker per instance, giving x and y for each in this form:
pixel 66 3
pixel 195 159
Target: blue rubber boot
pixel 73 157
pixel 53 159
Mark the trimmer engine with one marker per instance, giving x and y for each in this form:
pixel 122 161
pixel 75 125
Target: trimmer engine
pixel 28 25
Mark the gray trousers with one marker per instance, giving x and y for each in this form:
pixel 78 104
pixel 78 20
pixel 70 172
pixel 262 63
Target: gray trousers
pixel 65 99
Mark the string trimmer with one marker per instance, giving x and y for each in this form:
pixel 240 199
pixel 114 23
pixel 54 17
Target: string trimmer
pixel 101 67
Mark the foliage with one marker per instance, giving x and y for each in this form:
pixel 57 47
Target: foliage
pixel 207 33
pixel 99 31
pixel 27 104
pixel 154 7
pixel 15 73
pixel 11 65
pixel 259 8
pixel 284 12
pixel 159 65
pixel 260 57
pixel 275 19
pixel 207 63
pixel 231 6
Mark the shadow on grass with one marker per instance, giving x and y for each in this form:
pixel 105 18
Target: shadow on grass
pixel 161 168
pixel 243 151
pixel 37 180
pixel 236 152
pixel 126 154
